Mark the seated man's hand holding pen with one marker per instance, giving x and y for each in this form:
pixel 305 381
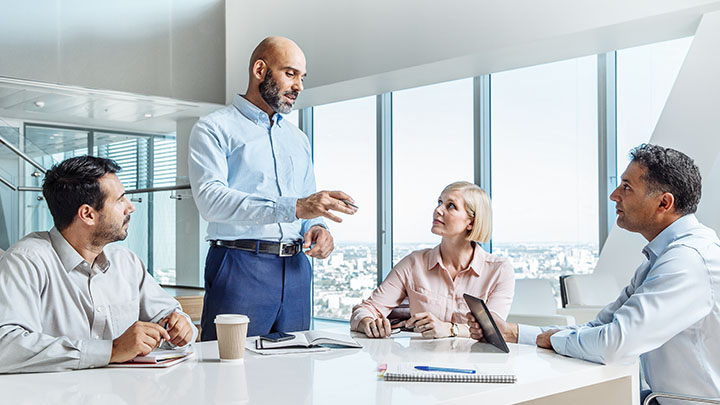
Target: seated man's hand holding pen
pixel 178 328
pixel 138 340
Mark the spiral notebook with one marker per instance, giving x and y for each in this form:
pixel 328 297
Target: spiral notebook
pixel 408 372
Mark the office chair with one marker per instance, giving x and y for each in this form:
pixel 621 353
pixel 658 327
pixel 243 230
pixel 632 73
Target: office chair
pixel 654 395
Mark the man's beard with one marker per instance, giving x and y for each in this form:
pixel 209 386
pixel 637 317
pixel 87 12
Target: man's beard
pixel 270 92
pixel 109 233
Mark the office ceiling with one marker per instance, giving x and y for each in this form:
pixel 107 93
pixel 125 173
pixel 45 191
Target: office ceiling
pixel 76 106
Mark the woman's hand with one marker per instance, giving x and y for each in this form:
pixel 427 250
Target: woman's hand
pixel 429 325
pixel 375 328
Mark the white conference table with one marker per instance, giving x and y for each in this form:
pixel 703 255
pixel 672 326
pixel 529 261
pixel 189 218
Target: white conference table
pixel 346 376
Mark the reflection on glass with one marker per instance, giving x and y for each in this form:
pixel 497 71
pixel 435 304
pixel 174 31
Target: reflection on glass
pixel 344 150
pixel 432 147
pixel 645 76
pixel 544 168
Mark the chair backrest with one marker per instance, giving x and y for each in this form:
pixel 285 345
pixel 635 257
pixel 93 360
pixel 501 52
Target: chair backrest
pixel 590 289
pixel 193 306
pixel 533 296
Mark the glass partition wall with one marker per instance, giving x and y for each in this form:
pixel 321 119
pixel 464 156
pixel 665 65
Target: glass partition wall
pixel 148 161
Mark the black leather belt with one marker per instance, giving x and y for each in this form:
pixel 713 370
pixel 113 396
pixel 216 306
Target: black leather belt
pixel 282 249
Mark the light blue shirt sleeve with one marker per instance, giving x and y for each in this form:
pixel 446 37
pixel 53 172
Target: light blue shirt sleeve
pixel 674 295
pixel 217 202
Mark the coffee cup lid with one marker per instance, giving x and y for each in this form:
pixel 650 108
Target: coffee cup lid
pixel 231 319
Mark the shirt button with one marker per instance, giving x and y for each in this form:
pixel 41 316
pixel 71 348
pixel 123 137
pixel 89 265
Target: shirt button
pixel 99 309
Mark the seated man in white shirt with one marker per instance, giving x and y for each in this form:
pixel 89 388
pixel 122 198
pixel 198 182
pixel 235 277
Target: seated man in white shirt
pixel 669 314
pixel 68 300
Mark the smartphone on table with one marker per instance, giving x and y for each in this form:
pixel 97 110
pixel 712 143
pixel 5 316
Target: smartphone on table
pixel 277 337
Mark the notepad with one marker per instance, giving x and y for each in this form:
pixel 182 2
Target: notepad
pixel 158 358
pixel 408 372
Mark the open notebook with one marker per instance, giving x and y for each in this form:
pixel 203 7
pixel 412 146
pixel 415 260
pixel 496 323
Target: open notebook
pixel 311 338
pixel 409 372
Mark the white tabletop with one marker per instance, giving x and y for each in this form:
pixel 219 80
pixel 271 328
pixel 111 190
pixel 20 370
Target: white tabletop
pixel 346 376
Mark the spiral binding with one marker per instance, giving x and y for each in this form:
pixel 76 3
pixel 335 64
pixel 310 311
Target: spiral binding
pixel 459 378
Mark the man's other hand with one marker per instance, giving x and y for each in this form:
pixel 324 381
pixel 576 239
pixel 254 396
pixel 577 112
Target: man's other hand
pixel 138 340
pixel 178 328
pixel 322 241
pixel 543 339
pixel 321 203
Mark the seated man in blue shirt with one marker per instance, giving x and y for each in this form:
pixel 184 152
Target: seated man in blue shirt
pixel 669 314
pixel 71 300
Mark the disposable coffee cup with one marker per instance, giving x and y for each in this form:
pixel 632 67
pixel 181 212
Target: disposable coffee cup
pixel 231 333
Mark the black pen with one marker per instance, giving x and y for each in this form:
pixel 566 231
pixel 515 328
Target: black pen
pixel 350 204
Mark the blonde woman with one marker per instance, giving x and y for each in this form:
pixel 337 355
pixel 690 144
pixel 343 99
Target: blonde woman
pixel 434 280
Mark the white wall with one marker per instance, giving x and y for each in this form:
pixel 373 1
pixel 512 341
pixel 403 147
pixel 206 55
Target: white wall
pixel 168 48
pixel 368 47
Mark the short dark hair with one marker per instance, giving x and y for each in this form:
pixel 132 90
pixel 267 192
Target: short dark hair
pixel 74 182
pixel 670 171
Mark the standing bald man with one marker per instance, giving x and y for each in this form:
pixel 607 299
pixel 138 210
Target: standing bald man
pixel 252 179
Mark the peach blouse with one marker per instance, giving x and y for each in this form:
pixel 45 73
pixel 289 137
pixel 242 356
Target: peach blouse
pixel 422 278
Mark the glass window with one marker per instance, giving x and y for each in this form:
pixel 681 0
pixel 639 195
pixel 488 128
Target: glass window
pixel 344 154
pixel 645 76
pixel 432 147
pixel 293 117
pixel 544 168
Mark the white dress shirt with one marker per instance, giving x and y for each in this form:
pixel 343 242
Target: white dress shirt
pixel 669 315
pixel 59 312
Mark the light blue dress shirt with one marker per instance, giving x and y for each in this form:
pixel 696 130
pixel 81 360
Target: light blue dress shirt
pixel 669 315
pixel 247 175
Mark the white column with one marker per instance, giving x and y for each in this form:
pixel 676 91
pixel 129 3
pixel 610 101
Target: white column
pixel 190 228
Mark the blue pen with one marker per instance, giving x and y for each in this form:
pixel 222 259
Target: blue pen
pixel 445 369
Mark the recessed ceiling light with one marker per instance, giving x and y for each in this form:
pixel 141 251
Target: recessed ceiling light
pixel 39 104
pixel 148 115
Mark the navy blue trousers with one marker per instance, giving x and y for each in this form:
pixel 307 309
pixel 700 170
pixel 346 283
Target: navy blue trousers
pixel 273 291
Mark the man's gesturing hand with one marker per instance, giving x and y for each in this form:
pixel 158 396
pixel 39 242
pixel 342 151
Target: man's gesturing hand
pixel 321 203
pixel 138 340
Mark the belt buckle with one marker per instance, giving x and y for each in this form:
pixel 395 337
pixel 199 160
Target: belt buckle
pixel 285 245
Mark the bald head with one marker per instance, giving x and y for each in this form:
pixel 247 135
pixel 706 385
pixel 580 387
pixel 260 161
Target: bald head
pixel 271 49
pixel 277 71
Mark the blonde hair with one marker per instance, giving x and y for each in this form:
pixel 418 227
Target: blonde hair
pixel 477 206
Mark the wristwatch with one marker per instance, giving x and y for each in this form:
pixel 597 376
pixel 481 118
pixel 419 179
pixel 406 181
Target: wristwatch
pixel 454 329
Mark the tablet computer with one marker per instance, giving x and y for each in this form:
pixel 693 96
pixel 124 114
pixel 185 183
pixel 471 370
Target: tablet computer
pixel 487 324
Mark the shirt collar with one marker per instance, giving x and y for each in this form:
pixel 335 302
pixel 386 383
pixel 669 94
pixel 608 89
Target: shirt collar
pixel 436 260
pixel 681 225
pixel 253 113
pixel 70 258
